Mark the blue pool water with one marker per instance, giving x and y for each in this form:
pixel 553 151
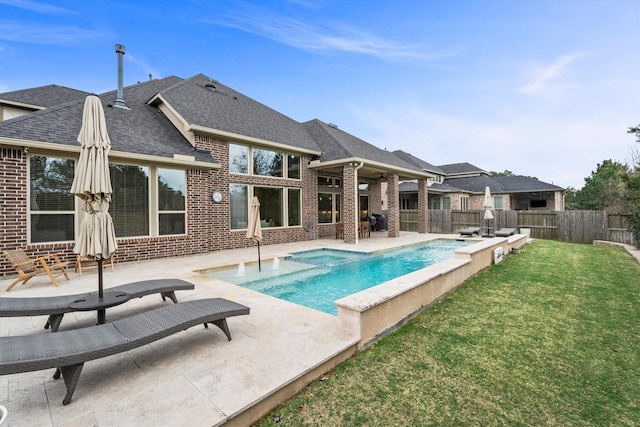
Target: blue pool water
pixel 317 286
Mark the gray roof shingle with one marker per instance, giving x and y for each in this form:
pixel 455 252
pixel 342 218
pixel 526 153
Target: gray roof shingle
pixel 222 108
pixel 140 129
pixel 460 168
pixel 44 96
pixel 337 144
pixel 426 166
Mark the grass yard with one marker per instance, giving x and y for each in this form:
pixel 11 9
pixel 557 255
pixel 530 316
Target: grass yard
pixel 549 337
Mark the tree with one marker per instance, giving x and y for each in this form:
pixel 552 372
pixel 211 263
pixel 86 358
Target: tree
pixel 605 188
pixel 632 182
pixel 505 173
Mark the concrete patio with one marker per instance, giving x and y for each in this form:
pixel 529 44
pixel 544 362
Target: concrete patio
pixel 196 377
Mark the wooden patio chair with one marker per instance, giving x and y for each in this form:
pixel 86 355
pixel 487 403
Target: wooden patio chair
pixel 31 267
pixel 340 230
pixel 365 229
pixel 86 263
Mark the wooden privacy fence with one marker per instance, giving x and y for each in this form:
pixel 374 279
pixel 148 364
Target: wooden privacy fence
pixel 566 226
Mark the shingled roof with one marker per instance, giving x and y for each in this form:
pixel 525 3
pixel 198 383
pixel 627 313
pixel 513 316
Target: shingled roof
pixel 337 144
pixel 460 169
pixel 204 102
pixel 139 129
pixel 43 96
pixel 426 166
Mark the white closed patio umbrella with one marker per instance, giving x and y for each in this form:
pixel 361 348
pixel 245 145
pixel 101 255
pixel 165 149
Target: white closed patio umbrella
pixel 487 206
pixel 254 229
pixel 92 184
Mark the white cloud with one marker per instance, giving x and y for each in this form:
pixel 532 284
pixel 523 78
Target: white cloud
pixel 41 34
pixel 550 79
pixel 331 36
pixel 36 6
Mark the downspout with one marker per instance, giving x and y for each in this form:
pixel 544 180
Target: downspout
pixel 356 199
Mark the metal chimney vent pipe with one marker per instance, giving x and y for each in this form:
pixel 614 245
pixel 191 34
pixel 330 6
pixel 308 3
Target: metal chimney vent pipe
pixel 120 95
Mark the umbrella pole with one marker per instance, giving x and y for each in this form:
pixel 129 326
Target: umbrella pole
pixel 259 265
pixel 100 289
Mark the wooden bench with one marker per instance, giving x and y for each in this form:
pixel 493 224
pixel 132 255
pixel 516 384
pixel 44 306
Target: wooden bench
pixel 56 307
pixel 67 351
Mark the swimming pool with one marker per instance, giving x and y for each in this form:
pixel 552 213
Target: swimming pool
pixel 317 286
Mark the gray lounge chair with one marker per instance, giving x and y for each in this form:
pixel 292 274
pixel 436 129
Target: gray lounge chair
pixel 470 231
pixel 56 307
pixel 505 232
pixel 68 350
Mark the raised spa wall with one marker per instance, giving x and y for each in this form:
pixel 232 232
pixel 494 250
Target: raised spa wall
pixel 380 310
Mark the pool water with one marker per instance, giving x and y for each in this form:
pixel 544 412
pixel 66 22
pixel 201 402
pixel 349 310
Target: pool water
pixel 327 257
pixel 318 286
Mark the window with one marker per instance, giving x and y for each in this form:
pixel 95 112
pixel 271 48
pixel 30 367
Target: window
pixel 276 205
pixel 364 186
pixel 328 181
pixel 293 167
pixel 446 203
pixel 171 201
pixel 51 206
pixel 538 204
pixel 239 206
pixel 294 205
pixel 271 206
pixel 146 201
pixel 260 161
pixel 464 203
pixel 267 163
pixel 497 202
pixel 238 158
pixel 435 204
pixel 130 200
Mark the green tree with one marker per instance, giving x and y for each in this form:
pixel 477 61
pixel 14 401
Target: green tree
pixel 632 182
pixel 605 189
pixel 505 173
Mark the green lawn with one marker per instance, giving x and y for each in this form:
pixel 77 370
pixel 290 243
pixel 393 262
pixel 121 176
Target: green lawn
pixel 549 337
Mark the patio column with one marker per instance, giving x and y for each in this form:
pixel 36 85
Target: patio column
pixel 423 206
pixel 349 214
pixel 393 205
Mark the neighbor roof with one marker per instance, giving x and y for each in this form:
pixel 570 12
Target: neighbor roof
pixel 460 169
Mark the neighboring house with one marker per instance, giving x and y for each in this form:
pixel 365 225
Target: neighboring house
pixel 461 186
pixel 175 142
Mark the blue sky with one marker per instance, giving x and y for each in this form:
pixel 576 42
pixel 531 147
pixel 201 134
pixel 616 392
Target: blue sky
pixel 540 88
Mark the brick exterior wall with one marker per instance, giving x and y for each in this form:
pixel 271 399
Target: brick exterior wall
pixel 349 216
pixel 208 223
pixel 423 206
pixel 393 208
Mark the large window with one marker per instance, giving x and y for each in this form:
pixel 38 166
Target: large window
pixel 146 200
pixel 171 201
pixel 239 206
pixel 328 208
pixel 238 158
pixel 276 205
pixel 263 162
pixel 130 200
pixel 267 162
pixel 51 206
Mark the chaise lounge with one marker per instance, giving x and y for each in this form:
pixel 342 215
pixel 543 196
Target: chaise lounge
pixel 505 232
pixel 56 307
pixel 470 231
pixel 68 350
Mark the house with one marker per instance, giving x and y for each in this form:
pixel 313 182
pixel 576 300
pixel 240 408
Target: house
pixel 175 143
pixel 461 186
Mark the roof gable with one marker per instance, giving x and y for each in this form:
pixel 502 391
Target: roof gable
pixel 461 169
pixel 203 102
pixel 337 144
pixel 426 166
